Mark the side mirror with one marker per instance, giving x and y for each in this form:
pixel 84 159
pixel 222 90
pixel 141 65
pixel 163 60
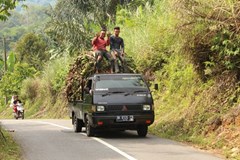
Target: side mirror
pixel 156 87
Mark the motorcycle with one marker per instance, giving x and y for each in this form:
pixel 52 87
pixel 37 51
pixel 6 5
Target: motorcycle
pixel 18 111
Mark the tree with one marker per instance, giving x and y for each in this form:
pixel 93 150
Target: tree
pixel 5 7
pixel 1 68
pixel 19 23
pixel 74 22
pixel 11 82
pixel 11 61
pixel 31 49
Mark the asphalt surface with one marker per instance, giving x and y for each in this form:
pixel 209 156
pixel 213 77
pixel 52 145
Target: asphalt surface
pixel 55 140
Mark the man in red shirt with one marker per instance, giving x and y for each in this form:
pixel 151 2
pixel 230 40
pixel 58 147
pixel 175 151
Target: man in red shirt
pixel 99 47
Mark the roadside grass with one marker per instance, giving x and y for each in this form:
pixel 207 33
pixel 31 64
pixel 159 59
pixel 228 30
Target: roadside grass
pixel 9 150
pixel 196 113
pixel 188 107
pixel 43 96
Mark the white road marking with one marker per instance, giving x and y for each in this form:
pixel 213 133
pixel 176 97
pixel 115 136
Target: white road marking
pixel 56 125
pixel 114 148
pixel 95 138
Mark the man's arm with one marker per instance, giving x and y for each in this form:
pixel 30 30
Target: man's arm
pixel 94 40
pixel 108 41
pixel 122 45
pixel 111 42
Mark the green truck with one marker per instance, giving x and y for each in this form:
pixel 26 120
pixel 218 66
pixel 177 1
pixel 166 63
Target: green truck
pixel 113 102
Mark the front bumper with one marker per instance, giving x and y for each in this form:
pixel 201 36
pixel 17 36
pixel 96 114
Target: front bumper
pixel 110 121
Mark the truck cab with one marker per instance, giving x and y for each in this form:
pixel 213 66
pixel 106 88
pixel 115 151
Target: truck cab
pixel 113 102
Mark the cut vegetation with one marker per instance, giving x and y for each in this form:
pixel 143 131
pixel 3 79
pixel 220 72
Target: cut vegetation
pixel 189 47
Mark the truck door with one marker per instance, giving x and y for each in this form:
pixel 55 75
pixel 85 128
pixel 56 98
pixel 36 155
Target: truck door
pixel 87 97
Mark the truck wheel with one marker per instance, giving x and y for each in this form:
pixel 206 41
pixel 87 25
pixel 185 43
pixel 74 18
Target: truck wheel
pixel 23 115
pixel 142 130
pixel 77 125
pixel 89 128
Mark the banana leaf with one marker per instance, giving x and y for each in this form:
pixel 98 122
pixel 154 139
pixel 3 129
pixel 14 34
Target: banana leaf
pixel 11 60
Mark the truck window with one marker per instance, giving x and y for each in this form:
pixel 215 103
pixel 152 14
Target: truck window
pixel 88 86
pixel 120 82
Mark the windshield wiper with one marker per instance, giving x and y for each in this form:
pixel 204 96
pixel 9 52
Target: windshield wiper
pixel 140 91
pixel 109 93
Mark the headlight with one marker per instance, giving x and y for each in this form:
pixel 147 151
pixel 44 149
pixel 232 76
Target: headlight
pixel 100 108
pixel 146 107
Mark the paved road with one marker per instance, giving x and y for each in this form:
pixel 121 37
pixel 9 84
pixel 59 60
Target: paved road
pixel 55 140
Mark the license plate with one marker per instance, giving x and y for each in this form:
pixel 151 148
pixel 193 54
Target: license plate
pixel 127 118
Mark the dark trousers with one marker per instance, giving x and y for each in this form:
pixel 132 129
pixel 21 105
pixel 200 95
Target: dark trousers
pixel 99 54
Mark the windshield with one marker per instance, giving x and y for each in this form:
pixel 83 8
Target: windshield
pixel 105 83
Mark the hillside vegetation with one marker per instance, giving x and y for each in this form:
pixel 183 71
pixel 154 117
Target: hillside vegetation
pixel 8 148
pixel 189 47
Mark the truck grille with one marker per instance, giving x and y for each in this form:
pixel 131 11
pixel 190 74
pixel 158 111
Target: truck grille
pixel 125 108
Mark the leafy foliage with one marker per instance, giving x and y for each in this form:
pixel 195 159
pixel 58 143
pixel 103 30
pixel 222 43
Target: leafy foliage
pixel 11 81
pixel 74 22
pixel 175 43
pixel 5 6
pixel 44 93
pixel 11 61
pixel 31 49
pixel 214 35
pixel 55 73
pixel 181 43
pixel 145 37
pixel 225 51
pixel 8 147
pixel 1 67
pixel 21 22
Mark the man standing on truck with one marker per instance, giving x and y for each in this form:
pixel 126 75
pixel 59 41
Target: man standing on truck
pixel 99 44
pixel 117 48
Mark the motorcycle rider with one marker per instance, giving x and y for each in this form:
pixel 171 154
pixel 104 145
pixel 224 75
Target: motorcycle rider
pixel 117 48
pixel 16 100
pixel 14 103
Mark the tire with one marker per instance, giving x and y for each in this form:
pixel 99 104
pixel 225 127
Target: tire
pixel 14 115
pixel 89 128
pixel 142 130
pixel 77 124
pixel 22 115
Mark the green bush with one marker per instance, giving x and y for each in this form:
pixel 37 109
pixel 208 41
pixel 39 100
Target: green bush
pixel 8 148
pixel 211 34
pixel 43 95
pixel 55 73
pixel 11 82
pixel 30 88
pixel 149 35
pixel 183 43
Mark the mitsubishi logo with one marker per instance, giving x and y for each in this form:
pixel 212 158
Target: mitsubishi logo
pixel 124 108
